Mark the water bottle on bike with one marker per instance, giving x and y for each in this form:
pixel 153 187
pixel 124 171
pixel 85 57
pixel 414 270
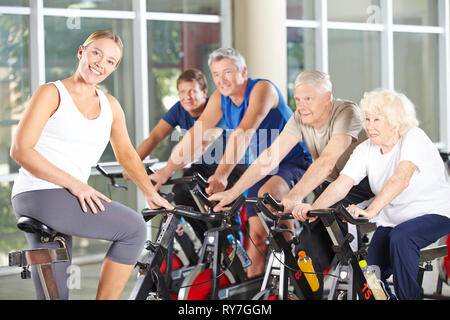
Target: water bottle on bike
pixel 240 251
pixel 305 264
pixel 372 281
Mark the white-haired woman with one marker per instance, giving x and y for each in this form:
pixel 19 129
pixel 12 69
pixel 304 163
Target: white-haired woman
pixel 407 176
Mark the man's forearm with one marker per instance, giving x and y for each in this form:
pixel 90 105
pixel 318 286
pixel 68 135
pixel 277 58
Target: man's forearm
pixel 254 174
pixel 238 143
pixel 187 150
pixel 146 147
pixel 316 174
pixel 178 159
pixel 336 191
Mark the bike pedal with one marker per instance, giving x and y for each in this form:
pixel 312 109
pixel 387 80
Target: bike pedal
pixel 153 296
pixel 143 267
pixel 25 274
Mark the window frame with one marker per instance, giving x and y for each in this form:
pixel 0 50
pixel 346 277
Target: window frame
pixel 387 29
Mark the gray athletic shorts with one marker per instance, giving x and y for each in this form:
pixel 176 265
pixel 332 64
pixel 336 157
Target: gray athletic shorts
pixel 61 210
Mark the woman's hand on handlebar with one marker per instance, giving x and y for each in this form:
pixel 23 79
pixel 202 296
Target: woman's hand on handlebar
pixel 155 201
pixel 358 212
pixel 224 198
pixel 87 194
pixel 300 212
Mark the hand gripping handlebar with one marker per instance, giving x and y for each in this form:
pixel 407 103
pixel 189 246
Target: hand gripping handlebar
pixel 267 199
pixel 340 212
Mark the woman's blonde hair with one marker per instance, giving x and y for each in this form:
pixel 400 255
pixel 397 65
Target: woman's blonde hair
pixel 396 107
pixel 105 34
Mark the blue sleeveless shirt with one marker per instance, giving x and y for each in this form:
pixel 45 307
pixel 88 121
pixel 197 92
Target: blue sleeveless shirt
pixel 268 130
pixel 178 116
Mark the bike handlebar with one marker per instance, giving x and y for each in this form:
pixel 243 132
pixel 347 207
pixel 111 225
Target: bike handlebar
pixel 199 180
pixel 191 213
pixel 184 212
pixel 112 175
pixel 261 205
pixel 274 203
pixel 340 212
pixel 196 177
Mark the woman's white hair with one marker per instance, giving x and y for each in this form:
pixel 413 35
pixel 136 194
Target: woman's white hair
pixel 318 79
pixel 398 110
pixel 227 53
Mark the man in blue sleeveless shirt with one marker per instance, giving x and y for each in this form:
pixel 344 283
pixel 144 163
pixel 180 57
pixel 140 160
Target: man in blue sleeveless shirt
pixel 257 112
pixel 192 91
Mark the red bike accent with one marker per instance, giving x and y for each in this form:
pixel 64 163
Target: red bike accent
pixel 447 258
pixel 204 287
pixel 176 264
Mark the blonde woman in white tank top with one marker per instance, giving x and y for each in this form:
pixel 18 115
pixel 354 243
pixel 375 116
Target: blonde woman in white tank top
pixel 64 131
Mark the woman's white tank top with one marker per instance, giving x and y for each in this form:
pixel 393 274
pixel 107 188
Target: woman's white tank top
pixel 69 141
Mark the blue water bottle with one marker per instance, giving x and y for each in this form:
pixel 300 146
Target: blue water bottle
pixel 240 251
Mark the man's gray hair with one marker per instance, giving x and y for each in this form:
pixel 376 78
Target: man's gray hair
pixel 227 53
pixel 314 78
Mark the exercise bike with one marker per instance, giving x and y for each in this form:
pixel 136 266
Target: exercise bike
pixel 218 275
pixel 349 281
pixel 41 258
pixel 173 264
pixel 283 280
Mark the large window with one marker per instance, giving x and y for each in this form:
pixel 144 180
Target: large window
pixel 189 46
pixel 354 62
pixel 14 93
pixel 417 12
pixel 89 4
pixel 183 6
pixel 179 34
pixel 369 44
pixel 300 9
pixel 14 81
pixel 301 56
pixel 416 73
pixel 353 10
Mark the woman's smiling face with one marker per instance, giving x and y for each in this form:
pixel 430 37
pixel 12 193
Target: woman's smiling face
pixel 98 60
pixel 380 131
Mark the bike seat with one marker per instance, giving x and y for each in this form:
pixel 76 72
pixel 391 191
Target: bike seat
pixel 31 225
pixel 429 254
